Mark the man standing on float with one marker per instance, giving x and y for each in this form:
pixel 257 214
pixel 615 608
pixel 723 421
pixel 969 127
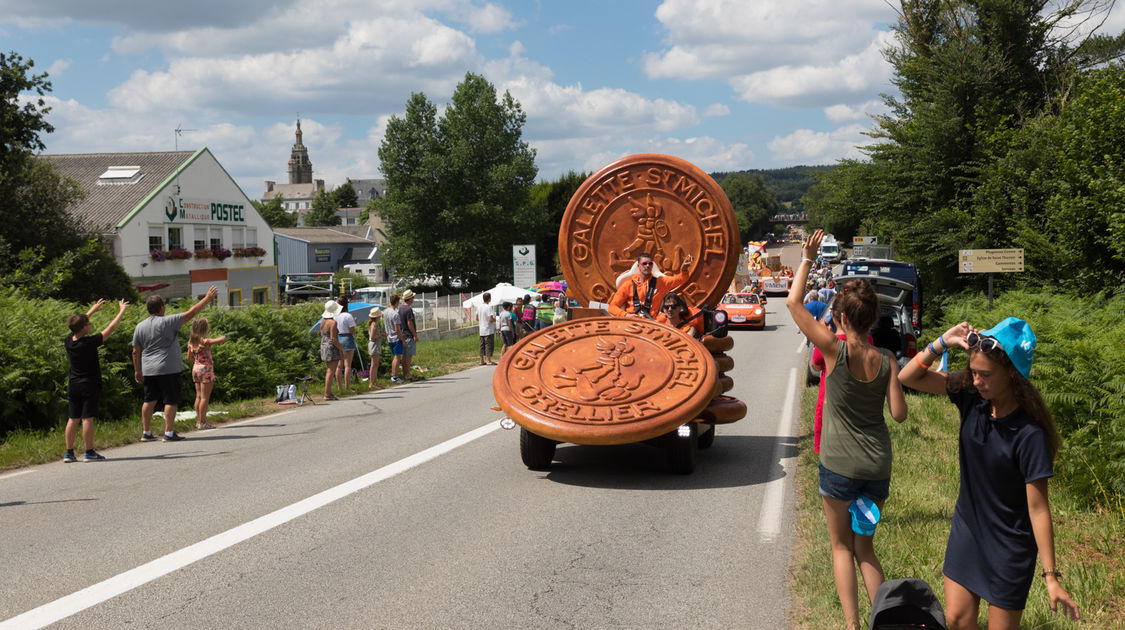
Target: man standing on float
pixel 641 290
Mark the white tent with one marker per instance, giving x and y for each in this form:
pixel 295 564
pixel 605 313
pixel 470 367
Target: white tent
pixel 503 292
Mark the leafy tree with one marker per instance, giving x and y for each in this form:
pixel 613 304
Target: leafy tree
pixel 273 212
pixel 44 249
pixel 548 200
pixel 457 186
pixel 344 196
pixel 323 211
pixel 754 206
pixel 968 72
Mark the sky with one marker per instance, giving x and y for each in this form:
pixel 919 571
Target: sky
pixel 725 84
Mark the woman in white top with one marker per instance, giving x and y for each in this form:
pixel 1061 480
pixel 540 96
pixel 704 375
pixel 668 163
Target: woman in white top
pixel 345 324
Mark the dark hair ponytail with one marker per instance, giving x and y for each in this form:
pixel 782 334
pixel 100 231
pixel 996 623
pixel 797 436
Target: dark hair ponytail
pixel 859 303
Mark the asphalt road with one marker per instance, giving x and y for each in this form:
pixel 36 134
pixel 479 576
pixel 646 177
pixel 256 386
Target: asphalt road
pixel 361 514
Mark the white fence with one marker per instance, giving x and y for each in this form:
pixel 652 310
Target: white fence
pixel 442 313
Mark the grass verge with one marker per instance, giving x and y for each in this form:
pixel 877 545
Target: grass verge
pixel 25 447
pixel 911 538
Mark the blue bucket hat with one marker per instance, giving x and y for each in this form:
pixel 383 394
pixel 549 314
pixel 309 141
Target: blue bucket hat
pixel 1018 341
pixel 865 515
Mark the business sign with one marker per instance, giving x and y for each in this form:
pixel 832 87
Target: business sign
pixel 196 210
pixel 990 261
pixel 523 265
pixel 865 240
pixel 322 255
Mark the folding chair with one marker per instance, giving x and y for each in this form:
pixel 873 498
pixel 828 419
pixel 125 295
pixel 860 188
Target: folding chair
pixel 303 390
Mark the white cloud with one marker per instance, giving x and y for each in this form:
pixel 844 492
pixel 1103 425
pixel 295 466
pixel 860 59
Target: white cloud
pixel 557 156
pixel 488 19
pixel 797 53
pixel 805 146
pixel 716 110
pixel 849 113
pixel 58 67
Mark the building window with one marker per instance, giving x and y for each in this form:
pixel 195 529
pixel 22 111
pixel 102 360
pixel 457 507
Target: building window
pixel 234 298
pixel 155 238
pixel 260 296
pixel 216 238
pixel 200 241
pixel 175 238
pixel 238 237
pixel 252 237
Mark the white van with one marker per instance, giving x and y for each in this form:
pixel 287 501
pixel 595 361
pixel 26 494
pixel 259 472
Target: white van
pixel 830 249
pixel 374 295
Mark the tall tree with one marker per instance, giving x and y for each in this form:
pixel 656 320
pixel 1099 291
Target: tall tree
pixel 273 212
pixel 457 186
pixel 548 201
pixel 344 196
pixel 753 204
pixel 323 211
pixel 44 249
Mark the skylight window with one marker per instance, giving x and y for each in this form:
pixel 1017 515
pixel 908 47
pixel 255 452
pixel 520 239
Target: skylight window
pixel 120 175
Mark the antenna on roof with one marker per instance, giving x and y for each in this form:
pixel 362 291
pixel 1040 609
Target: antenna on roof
pixel 179 131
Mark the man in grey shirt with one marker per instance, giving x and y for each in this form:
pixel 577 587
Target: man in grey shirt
pixel 157 363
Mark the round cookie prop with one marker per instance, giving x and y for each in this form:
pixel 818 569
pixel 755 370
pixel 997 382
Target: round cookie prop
pixel 649 204
pixel 605 380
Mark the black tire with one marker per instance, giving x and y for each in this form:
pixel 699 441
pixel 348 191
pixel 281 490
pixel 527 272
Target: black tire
pixel 682 450
pixel 707 438
pixel 537 452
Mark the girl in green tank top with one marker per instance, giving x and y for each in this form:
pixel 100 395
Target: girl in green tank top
pixel 855 446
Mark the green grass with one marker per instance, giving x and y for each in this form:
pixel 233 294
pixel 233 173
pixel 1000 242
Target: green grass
pixel 25 447
pixel 911 538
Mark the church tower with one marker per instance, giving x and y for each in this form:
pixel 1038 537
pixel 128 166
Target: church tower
pixel 300 168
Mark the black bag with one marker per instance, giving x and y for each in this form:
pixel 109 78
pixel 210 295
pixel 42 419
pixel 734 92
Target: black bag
pixel 906 603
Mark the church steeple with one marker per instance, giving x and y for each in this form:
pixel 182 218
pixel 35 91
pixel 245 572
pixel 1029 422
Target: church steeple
pixel 300 168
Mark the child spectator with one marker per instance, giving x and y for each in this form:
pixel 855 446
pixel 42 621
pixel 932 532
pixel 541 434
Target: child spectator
pixel 203 368
pixel 84 383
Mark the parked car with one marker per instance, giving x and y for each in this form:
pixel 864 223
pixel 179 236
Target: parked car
pixel 897 269
pixel 893 329
pixel 744 309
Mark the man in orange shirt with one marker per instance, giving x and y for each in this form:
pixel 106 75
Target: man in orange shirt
pixel 642 294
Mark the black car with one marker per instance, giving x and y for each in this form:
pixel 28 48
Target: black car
pixel 893 329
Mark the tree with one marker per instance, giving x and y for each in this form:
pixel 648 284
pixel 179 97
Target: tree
pixel 323 211
pixel 273 212
pixel 548 201
pixel 969 72
pixel 457 186
pixel 754 206
pixel 344 196
pixel 44 249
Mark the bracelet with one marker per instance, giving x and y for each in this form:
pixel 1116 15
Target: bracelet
pixel 918 360
pixel 944 346
pixel 808 260
pixel 1056 573
pixel 932 350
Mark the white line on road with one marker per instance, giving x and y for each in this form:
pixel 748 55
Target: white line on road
pixel 773 503
pixel 76 602
pixel 16 474
pixel 801 346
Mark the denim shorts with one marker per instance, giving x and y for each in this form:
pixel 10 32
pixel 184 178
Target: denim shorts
pixel 347 341
pixel 847 489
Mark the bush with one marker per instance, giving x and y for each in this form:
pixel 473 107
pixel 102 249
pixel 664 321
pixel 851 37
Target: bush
pixel 1079 369
pixel 267 347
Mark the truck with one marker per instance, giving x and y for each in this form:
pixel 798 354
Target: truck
pixel 830 249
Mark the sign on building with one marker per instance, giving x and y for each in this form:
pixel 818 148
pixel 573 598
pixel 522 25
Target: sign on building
pixel 523 265
pixel 990 261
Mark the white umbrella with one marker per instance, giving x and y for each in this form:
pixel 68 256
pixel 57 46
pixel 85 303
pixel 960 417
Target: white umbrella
pixel 503 292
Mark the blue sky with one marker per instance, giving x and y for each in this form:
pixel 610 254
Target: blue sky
pixel 726 84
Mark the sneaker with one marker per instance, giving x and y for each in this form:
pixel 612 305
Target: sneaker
pixel 93 456
pixel 148 437
pixel 175 437
pixel 69 457
pixel 395 379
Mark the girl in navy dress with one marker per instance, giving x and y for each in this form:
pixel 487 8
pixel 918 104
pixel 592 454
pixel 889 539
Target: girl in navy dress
pixel 1007 447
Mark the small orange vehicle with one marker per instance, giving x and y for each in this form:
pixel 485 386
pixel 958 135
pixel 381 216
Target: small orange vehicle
pixel 744 310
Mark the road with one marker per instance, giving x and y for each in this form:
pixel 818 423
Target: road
pixel 363 514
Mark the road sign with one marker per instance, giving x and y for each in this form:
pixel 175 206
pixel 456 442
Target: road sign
pixel 865 240
pixel 523 265
pixel 990 261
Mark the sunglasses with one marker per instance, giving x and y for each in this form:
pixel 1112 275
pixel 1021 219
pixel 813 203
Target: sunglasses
pixel 646 264
pixel 669 307
pixel 986 344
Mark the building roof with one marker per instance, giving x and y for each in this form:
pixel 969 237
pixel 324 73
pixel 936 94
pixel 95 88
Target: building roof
pixel 368 189
pixel 324 235
pixel 107 206
pixel 294 191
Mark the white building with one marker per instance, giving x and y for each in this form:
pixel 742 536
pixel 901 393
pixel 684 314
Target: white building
pixel 177 223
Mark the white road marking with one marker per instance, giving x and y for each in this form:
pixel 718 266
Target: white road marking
pixel 802 345
pixel 773 503
pixel 91 596
pixel 17 473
